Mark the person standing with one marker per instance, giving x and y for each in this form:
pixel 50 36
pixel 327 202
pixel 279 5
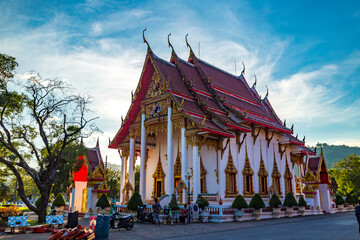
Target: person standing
pixel 357 214
pixel 156 211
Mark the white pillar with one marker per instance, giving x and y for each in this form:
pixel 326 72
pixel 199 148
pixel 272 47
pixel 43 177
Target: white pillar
pixel 122 175
pixel 196 173
pixel 89 200
pixel 142 159
pixel 170 156
pixel 184 160
pixel 73 199
pixel 131 163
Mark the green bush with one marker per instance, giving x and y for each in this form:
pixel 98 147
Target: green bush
pixel 173 203
pixel 257 202
pixel 202 202
pixel 302 202
pixel 339 200
pixel 275 201
pixel 351 199
pixel 135 202
pixel 59 201
pixel 103 201
pixel 239 202
pixel 38 201
pixel 290 200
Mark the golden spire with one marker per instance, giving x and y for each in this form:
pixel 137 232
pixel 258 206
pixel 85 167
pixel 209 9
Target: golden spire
pixel 170 43
pixel 145 39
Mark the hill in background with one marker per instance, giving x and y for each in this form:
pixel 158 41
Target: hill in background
pixel 335 153
pixel 114 166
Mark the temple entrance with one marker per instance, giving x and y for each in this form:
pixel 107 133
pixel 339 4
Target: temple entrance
pixel 158 188
pixel 159 178
pixel 84 200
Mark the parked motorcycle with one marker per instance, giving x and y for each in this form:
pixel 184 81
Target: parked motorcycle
pixel 143 216
pixel 118 221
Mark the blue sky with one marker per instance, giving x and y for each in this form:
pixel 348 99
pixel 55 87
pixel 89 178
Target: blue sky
pixel 306 52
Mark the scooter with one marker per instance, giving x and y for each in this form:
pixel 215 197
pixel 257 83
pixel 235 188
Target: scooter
pixel 144 216
pixel 117 221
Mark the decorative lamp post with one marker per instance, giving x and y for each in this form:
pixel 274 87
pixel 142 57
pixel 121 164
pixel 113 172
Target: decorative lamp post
pixel 188 176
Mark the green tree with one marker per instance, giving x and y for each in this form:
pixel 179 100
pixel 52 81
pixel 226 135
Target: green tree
pixel 137 178
pixel 347 175
pixel 113 181
pixel 39 119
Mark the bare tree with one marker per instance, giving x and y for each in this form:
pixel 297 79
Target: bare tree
pixel 40 120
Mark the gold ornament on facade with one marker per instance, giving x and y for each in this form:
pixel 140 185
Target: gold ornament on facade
pixel 247 176
pixel 156 87
pixel 230 173
pixel 262 174
pixel 288 176
pixel 159 175
pixel 128 188
pixel 155 129
pixel 203 174
pixel 177 165
pixel 240 142
pixel 276 176
pixel 180 187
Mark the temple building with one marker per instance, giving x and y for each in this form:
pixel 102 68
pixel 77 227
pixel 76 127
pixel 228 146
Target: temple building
pixel 189 116
pixel 317 183
pixel 89 181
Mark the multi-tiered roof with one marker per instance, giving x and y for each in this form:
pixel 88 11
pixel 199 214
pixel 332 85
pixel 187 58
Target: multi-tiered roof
pixel 215 101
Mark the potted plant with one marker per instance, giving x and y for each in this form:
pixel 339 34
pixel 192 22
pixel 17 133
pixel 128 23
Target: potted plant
pixel 339 201
pixel 59 204
pixel 239 203
pixel 173 203
pixel 134 203
pixel 203 203
pixel 289 202
pixel 275 203
pixel 302 204
pixel 103 203
pixel 257 204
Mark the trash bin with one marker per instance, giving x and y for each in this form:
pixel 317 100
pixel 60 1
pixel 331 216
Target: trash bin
pixel 72 220
pixel 102 227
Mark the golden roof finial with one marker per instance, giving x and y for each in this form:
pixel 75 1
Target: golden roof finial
pixel 187 43
pixel 203 122
pixel 182 103
pixel 267 92
pixel 145 39
pixel 254 85
pixel 169 43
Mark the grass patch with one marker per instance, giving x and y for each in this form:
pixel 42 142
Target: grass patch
pixel 34 222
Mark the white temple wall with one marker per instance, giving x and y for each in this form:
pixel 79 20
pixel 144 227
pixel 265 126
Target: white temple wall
pixel 152 163
pixel 222 166
pixel 325 197
pixel 79 187
pixel 240 166
pixel 209 162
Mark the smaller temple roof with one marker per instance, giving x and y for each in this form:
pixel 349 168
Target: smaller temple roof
pixel 94 157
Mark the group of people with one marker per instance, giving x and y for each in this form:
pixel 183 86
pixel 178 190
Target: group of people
pixel 167 213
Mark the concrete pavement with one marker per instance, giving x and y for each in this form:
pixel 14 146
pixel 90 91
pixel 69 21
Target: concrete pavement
pixel 331 226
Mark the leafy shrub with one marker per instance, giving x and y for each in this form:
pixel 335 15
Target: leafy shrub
pixel 275 201
pixel 135 202
pixel 8 212
pixel 173 203
pixel 239 202
pixel 103 202
pixel 257 202
pixel 339 200
pixel 302 202
pixel 202 202
pixel 290 200
pixel 59 201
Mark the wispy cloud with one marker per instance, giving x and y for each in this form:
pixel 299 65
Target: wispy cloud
pixel 103 57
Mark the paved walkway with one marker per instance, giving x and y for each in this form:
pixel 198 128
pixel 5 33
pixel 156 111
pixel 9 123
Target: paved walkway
pixel 334 226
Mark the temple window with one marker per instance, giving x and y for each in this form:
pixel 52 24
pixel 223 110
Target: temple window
pixel 230 172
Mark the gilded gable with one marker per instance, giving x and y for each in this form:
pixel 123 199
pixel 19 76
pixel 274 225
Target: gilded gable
pixel 156 87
